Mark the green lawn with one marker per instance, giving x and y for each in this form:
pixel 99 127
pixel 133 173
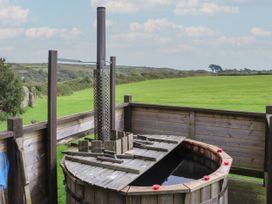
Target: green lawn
pixel 246 93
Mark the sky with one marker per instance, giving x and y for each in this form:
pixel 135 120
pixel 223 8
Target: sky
pixel 181 34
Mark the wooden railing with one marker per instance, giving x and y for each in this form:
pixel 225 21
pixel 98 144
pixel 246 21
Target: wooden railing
pixel 35 151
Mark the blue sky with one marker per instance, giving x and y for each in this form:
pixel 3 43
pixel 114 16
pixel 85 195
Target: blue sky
pixel 183 34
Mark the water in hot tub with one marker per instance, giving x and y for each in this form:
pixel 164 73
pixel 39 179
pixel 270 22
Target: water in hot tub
pixel 176 168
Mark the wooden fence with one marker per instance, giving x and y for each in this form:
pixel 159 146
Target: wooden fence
pixel 34 145
pixel 245 136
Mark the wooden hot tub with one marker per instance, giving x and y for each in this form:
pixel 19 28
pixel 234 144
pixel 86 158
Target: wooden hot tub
pixel 82 187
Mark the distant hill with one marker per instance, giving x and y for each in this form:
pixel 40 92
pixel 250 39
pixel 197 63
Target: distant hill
pixel 73 77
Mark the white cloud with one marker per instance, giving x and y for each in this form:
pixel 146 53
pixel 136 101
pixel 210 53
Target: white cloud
pixel 42 32
pixel 152 25
pixel 12 13
pixel 231 40
pixel 129 6
pixel 136 37
pixel 198 31
pixel 162 24
pixel 261 32
pixel 156 3
pixel 7 49
pixel 197 8
pixel 6 33
pixel 47 32
pixel 39 32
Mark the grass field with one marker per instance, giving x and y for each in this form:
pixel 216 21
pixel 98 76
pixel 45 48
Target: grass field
pixel 246 93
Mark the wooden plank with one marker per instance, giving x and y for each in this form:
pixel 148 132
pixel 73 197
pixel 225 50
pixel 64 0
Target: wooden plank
pixel 101 196
pixel 89 194
pixel 51 139
pixel 231 133
pixel 200 110
pixel 103 165
pixel 108 159
pixel 140 146
pixel 6 135
pixel 137 156
pixel 205 193
pixel 20 151
pixel 15 192
pixel 160 125
pixel 127 114
pixel 83 146
pixel 244 124
pixel 146 130
pixel 223 116
pixel 156 139
pixel 179 198
pixel 149 199
pixel 191 131
pixel 115 198
pixel 195 197
pixel 162 116
pixel 235 142
pixel 269 164
pixel 83 154
pixel 166 198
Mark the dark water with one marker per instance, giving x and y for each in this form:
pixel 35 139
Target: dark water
pixel 176 168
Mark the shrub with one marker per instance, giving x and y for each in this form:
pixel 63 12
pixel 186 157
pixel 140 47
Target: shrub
pixel 11 91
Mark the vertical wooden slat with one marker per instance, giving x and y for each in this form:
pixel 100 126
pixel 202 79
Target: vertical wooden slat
pixel 191 126
pixel 166 198
pixel 52 127
pixel 128 114
pixel 101 196
pixel 269 164
pixel 149 199
pixel 179 198
pixel 15 182
pixel 112 90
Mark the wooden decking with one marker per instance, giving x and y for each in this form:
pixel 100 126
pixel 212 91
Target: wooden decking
pixel 147 151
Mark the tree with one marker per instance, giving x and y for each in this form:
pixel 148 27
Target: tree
pixel 11 91
pixel 215 68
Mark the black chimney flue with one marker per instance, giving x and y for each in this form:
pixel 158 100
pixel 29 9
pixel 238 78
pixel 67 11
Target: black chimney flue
pixel 101 37
pixel 102 116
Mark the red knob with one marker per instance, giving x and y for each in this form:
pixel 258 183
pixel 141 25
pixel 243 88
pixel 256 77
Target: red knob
pixel 206 178
pixel 219 150
pixel 156 187
pixel 226 163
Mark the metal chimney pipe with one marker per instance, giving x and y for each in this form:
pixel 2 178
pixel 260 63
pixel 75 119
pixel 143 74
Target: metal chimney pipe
pixel 101 82
pixel 101 37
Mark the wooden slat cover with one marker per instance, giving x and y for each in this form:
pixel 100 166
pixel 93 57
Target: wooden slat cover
pixel 118 179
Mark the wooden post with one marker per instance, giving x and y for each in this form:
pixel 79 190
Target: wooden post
pixel 52 128
pixel 268 176
pixel 128 114
pixel 15 182
pixel 112 91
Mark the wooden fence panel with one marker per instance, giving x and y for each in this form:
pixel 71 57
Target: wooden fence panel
pixel 242 137
pixel 154 121
pixel 240 134
pixel 35 146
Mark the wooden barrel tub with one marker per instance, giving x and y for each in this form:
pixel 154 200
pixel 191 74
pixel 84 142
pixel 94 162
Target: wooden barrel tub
pixel 211 189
